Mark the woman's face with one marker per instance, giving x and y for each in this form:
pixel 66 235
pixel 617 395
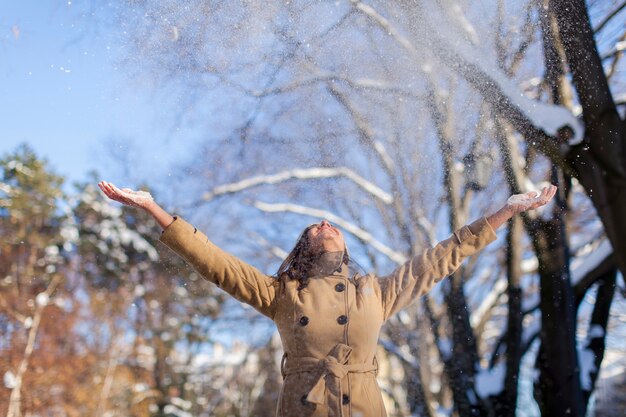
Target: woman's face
pixel 325 237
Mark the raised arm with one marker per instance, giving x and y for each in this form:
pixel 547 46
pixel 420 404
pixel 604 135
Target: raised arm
pixel 242 281
pixel 418 275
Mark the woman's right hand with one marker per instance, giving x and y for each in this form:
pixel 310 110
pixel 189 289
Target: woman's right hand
pixel 126 196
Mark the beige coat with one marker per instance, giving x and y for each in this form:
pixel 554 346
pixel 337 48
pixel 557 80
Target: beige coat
pixel 330 328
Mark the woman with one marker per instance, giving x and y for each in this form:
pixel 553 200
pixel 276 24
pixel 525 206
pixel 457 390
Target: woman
pixel 328 320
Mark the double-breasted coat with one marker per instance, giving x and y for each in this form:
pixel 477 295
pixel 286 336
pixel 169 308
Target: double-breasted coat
pixel 330 328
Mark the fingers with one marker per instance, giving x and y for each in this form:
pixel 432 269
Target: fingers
pixel 106 189
pixel 553 191
pixel 541 198
pixel 548 192
pixel 105 186
pixel 125 196
pixel 111 191
pixel 546 195
pixel 117 190
pixel 532 199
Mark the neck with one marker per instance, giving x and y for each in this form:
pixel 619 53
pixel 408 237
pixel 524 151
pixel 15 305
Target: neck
pixel 328 246
pixel 325 263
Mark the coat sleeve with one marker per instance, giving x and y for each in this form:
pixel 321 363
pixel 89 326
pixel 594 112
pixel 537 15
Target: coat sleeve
pixel 418 275
pixel 244 282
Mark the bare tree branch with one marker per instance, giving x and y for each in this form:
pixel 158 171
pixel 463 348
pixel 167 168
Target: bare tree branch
pixel 617 54
pixel 301 174
pixel 366 137
pixel 608 18
pixel 323 76
pixel 356 231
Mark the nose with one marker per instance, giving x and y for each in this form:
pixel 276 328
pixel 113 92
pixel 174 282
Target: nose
pixel 324 223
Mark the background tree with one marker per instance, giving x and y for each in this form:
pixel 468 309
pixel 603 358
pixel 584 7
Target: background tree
pixel 31 264
pixel 98 319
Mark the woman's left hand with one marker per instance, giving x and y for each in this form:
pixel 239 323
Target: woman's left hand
pixel 126 196
pixel 519 203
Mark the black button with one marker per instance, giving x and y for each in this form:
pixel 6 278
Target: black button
pixel 345 399
pixel 342 319
pixel 304 320
pixel 340 287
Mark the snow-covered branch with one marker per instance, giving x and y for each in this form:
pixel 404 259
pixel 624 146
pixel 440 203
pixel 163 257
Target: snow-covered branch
pixel 322 76
pixel 349 227
pixel 300 174
pixel 537 120
pixel 488 302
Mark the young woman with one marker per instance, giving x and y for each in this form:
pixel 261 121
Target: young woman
pixel 328 319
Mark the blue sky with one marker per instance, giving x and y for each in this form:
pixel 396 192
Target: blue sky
pixel 62 93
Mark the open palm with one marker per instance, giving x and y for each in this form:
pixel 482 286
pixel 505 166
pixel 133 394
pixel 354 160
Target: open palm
pixel 531 200
pixel 126 196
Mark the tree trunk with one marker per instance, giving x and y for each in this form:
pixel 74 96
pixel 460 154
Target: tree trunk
pixel 506 403
pixel 598 328
pixel 600 161
pixel 558 390
pixel 461 369
pixel 15 399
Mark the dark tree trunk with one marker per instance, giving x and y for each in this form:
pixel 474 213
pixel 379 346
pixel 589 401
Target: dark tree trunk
pixel 418 399
pixel 598 325
pixel 506 404
pixel 600 161
pixel 462 368
pixel 462 365
pixel 558 390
